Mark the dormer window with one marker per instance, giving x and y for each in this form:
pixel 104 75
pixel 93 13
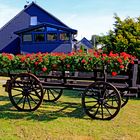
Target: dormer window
pixel 64 36
pixel 33 20
pixel 27 38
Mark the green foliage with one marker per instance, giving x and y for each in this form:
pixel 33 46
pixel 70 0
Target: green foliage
pixel 125 37
pixel 95 40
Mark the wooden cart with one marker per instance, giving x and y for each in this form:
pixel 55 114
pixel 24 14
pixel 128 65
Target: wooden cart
pixel 102 95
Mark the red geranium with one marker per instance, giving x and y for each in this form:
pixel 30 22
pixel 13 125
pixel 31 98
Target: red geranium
pixel 108 61
pixel 23 59
pixel 114 73
pixel 111 54
pixel 132 62
pixel 90 58
pixel 121 66
pixel 83 61
pixel 10 57
pixel 119 60
pixel 36 63
pixel 90 51
pixel 68 65
pixel 96 54
pixel 44 69
pixel 104 55
pixel 73 61
pixel 80 51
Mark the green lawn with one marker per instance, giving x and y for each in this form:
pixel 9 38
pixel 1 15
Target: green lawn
pixel 65 120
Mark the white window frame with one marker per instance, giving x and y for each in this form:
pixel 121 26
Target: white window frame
pixel 33 20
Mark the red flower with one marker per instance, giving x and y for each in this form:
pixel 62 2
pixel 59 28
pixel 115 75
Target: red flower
pixel 104 55
pixel 71 54
pixel 10 57
pixel 96 54
pixel 90 58
pixel 83 61
pixel 4 54
pixel 132 62
pixel 80 51
pixel 119 60
pixel 111 54
pixel 28 55
pixel 122 66
pixel 125 55
pixel 23 59
pixel 44 69
pixel 62 57
pixel 108 61
pixel 36 63
pixel 68 65
pixel 40 59
pixel 90 51
pixel 114 73
pixel 31 58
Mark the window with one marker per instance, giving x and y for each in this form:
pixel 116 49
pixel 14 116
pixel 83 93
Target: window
pixel 39 37
pixel 33 20
pixel 64 36
pixel 27 38
pixel 51 36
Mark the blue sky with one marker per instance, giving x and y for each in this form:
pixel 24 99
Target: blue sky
pixel 87 16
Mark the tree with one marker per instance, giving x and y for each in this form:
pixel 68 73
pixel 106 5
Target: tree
pixel 125 37
pixel 96 40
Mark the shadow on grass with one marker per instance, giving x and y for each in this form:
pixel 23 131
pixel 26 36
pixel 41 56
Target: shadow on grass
pixel 5 106
pixel 46 112
pixel 134 98
pixel 72 93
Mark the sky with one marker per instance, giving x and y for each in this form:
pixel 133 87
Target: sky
pixel 89 17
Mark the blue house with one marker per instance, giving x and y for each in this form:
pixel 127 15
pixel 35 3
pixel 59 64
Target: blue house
pixel 35 30
pixel 84 43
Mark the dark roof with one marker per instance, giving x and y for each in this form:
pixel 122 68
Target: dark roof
pixel 47 13
pixel 28 6
pixel 86 42
pixel 31 28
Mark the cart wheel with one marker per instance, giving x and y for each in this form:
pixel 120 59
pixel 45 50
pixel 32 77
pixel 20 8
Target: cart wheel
pixel 124 99
pixel 52 95
pixel 25 92
pixel 101 100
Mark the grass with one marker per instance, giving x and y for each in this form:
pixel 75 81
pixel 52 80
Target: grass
pixel 65 120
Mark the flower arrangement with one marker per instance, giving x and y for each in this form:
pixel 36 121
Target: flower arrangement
pixel 75 61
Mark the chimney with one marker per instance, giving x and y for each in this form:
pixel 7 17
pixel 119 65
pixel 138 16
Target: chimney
pixel 25 6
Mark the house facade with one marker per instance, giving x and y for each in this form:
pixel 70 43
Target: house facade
pixel 84 44
pixel 35 30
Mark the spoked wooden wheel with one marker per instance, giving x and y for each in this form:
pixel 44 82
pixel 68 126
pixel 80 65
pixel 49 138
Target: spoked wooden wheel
pixel 52 94
pixel 101 100
pixel 124 98
pixel 25 92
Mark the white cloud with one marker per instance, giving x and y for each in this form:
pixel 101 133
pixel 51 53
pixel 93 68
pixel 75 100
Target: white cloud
pixel 88 26
pixel 7 13
pixel 91 24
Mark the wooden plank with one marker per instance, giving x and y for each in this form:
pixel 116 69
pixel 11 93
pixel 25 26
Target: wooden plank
pixel 134 75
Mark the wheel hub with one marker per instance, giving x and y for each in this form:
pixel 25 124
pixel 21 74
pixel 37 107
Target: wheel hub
pixel 25 92
pixel 101 101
